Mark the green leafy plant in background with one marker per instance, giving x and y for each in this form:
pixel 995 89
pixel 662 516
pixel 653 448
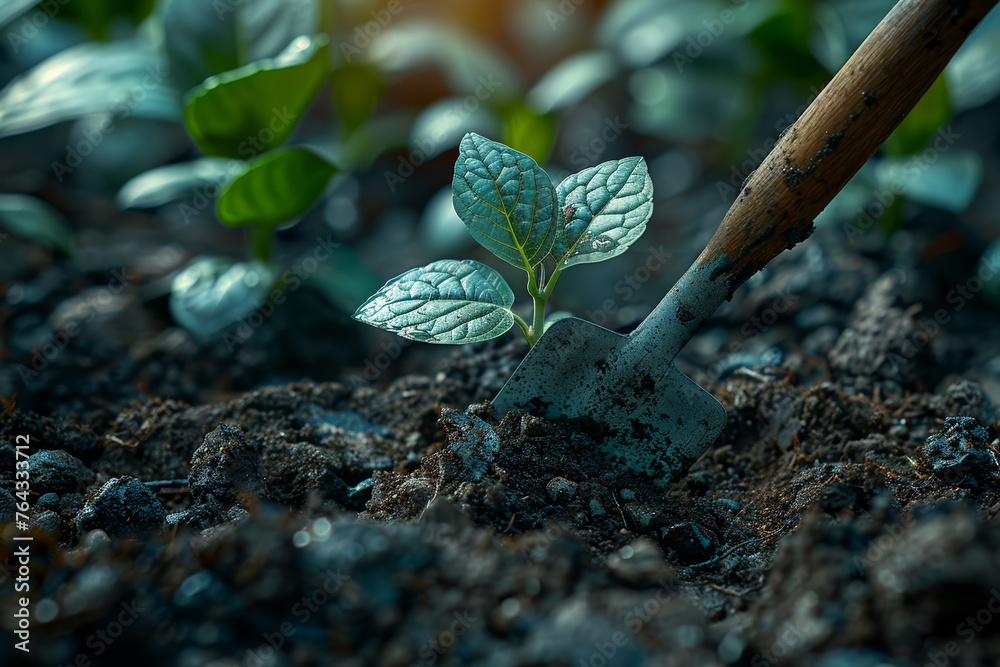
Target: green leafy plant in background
pixel 509 205
pixel 248 113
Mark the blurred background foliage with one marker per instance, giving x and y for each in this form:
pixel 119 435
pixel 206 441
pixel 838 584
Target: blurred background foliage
pixel 340 119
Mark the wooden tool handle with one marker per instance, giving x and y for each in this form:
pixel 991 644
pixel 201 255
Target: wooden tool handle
pixel 841 129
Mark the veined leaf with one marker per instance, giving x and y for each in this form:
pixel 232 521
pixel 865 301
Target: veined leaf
pixel 506 200
pixel 604 210
pixel 448 301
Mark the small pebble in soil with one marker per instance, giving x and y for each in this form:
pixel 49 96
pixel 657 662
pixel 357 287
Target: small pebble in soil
pixel 689 542
pixel 225 469
pixel 56 471
pixel 560 489
pixel 475 441
pixel 47 522
pixel 48 501
pixel 123 507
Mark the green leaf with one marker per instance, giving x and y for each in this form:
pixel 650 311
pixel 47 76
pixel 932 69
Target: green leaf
pixel 506 200
pixel 529 132
pixel 252 109
pixel 162 185
pixel 381 132
pixel 448 301
pixel 127 79
pixel 440 126
pixel 441 230
pixel 974 73
pixel 604 210
pixel 570 81
pixel 98 18
pixel 274 189
pixel 33 219
pixel 214 292
pixel 950 182
pixel 468 64
pixel 206 38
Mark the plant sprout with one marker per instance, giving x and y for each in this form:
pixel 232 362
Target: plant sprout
pixel 509 205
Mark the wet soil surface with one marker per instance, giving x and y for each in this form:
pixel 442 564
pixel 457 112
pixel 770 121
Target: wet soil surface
pixel 846 517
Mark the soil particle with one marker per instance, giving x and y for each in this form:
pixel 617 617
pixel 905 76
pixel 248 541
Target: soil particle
pixel 296 473
pixel 48 501
pixel 961 453
pixel 226 469
pixel 362 429
pixel 966 399
pixel 8 507
pixel 883 340
pixel 540 470
pixel 475 442
pixel 123 507
pixel 43 431
pixel 56 471
pixel 48 524
pixel 905 592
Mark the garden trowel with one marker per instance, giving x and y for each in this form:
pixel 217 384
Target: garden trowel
pixel 659 421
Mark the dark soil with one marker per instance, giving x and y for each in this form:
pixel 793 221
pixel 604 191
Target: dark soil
pixel 845 518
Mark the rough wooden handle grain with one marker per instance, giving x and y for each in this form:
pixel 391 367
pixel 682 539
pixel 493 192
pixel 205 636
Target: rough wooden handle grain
pixel 841 129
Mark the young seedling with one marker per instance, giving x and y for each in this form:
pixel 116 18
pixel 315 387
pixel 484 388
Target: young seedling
pixel 511 208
